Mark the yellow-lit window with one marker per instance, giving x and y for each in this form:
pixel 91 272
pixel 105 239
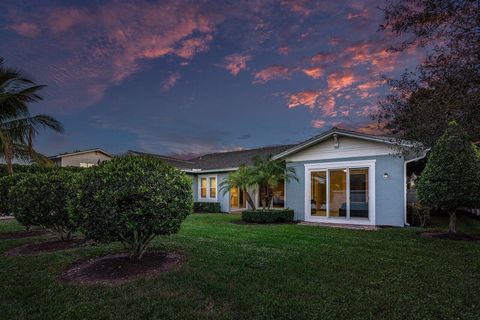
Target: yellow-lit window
pixel 203 187
pixel 213 187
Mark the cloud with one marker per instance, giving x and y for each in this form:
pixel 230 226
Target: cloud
pixel 363 14
pixel 303 98
pixel 236 63
pixel 337 81
pixel 26 29
pixel 324 57
pixel 314 72
pixel 90 49
pixel 171 80
pixel 273 72
pixel 318 123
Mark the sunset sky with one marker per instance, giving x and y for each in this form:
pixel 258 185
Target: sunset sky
pixel 190 77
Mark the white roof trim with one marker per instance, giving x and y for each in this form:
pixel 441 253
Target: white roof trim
pixel 200 171
pixel 328 134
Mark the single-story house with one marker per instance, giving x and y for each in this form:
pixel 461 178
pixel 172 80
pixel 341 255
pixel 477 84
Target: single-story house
pixel 345 177
pixel 81 158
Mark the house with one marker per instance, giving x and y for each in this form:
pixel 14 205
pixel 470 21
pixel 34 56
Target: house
pixel 345 177
pixel 81 158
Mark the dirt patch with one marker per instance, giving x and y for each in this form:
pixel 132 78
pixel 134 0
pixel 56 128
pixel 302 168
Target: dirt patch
pixel 46 246
pixel 21 234
pixel 448 236
pixel 117 269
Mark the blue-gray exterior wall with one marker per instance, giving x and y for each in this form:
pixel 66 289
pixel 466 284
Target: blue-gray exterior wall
pixel 389 193
pixel 223 199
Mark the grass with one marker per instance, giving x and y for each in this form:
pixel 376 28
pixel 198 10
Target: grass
pixel 236 271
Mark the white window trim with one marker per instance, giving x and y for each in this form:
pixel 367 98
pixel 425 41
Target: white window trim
pixel 208 177
pixel 312 167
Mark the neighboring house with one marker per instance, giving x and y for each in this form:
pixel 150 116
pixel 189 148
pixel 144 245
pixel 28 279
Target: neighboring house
pixel 345 177
pixel 83 159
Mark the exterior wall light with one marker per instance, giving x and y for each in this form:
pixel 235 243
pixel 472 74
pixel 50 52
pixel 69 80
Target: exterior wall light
pixel 386 176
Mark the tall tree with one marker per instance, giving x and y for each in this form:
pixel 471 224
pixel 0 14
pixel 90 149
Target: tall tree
pixel 451 178
pixel 446 85
pixel 18 127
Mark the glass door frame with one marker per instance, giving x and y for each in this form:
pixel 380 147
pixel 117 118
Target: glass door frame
pixel 327 167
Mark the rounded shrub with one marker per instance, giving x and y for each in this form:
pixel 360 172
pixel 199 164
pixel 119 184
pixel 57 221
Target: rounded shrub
pixel 6 183
pixel 268 216
pixel 44 200
pixel 132 199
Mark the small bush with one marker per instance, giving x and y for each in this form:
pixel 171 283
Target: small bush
pixel 44 200
pixel 420 215
pixel 267 216
pixel 132 199
pixel 207 207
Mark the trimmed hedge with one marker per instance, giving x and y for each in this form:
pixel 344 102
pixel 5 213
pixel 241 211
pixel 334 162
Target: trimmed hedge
pixel 267 216
pixel 207 207
pixel 34 168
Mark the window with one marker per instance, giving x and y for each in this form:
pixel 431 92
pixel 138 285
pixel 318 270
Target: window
pixel 203 187
pixel 86 165
pixel 208 187
pixel 213 187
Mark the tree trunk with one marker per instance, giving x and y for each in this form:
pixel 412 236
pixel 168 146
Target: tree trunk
pixel 249 199
pixel 452 226
pixel 8 154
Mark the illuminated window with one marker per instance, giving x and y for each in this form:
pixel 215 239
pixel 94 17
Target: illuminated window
pixel 203 187
pixel 208 187
pixel 213 187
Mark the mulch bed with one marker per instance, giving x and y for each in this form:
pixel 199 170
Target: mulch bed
pixel 45 246
pixel 117 269
pixel 447 236
pixel 21 234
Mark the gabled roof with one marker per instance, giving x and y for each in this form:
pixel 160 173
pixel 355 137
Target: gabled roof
pixel 77 152
pixel 234 159
pixel 179 163
pixel 219 161
pixel 336 132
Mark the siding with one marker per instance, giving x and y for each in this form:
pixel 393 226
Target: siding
pixel 89 157
pixel 389 194
pixel 223 199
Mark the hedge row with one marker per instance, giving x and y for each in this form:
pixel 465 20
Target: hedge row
pixel 267 216
pixel 129 199
pixel 207 207
pixel 34 168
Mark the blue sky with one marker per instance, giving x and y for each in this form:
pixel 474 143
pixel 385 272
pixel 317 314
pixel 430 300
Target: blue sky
pixel 191 77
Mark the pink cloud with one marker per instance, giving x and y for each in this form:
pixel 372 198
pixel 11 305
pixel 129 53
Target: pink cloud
pixel 314 72
pixel 303 98
pixel 236 63
pixel 190 47
pixel 171 80
pixel 26 29
pixel 338 81
pixel 324 57
pixel 364 14
pixel 318 123
pixel 272 73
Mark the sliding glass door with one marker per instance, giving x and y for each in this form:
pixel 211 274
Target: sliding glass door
pixel 339 193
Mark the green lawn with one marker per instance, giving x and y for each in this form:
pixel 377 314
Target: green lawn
pixel 236 271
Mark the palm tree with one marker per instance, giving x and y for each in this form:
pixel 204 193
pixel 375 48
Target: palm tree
pixel 242 179
pixel 268 174
pixel 17 127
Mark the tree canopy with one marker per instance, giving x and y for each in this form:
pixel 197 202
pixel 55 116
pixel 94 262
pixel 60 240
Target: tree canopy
pixel 446 85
